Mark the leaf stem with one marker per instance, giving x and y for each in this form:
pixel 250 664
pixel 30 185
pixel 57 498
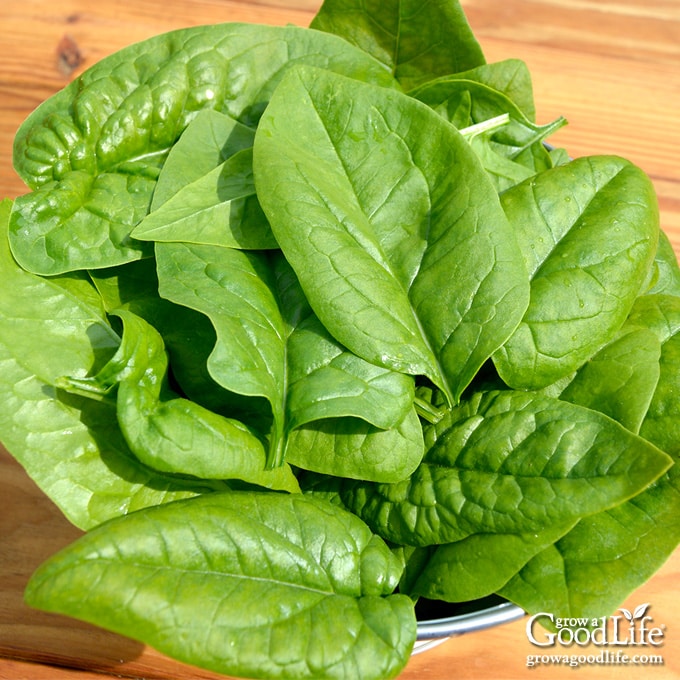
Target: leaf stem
pixel 85 387
pixel 485 126
pixel 428 411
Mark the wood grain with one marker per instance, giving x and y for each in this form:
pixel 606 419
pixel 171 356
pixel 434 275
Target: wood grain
pixel 611 67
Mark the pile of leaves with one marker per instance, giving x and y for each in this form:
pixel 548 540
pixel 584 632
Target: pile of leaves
pixel 302 325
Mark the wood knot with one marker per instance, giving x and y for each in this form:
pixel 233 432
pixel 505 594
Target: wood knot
pixel 69 57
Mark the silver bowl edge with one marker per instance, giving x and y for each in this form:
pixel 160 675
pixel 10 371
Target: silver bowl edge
pixel 432 632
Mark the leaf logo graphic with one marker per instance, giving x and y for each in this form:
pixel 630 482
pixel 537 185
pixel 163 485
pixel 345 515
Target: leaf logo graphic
pixel 638 613
pixel 640 610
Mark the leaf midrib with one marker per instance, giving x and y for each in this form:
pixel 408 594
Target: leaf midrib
pixel 385 261
pixel 212 573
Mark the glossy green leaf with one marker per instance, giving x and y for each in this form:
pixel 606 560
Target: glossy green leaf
pixel 661 314
pixel 92 152
pixel 327 381
pixel 255 585
pixel 269 344
pixel 188 335
pixel 81 337
pixel 210 138
pixel 509 463
pixel 220 208
pixel 212 158
pixel 621 378
pixel 506 172
pixel 510 153
pixel 479 565
pixel 166 432
pixel 70 446
pixel 588 231
pixel 608 555
pixel 352 448
pixel 510 77
pixel 417 41
pixel 391 226
pixel 667 280
pixel 355 256
pixel 444 95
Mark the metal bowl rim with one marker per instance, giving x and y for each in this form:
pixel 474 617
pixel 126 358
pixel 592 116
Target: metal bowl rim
pixel 489 617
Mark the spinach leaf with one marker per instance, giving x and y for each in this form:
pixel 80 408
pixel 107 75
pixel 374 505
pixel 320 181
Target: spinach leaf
pixel 270 344
pixel 220 208
pixel 507 172
pixel 251 584
pixel 606 556
pixel 588 232
pixel 188 335
pixel 92 152
pixel 166 432
pixel 71 447
pixel 592 570
pixel 661 314
pixel 391 226
pixel 667 272
pixel 416 42
pixel 509 462
pixel 79 336
pixel 353 448
pixel 445 95
pixel 210 138
pixel 621 378
pixel 509 77
pixel 341 265
pixel 480 564
pixel 510 153
pixel 205 192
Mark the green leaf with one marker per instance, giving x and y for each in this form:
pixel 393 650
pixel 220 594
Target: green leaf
pixel 509 153
pixel 510 77
pixel 391 225
pixel 667 269
pixel 479 565
pixel 251 584
pixel 70 446
pixel 352 448
pixel 188 335
pixel 269 344
pixel 92 152
pixel 446 94
pixel 80 337
pixel 661 314
pixel 588 231
pixel 210 138
pixel 169 433
pixel 417 41
pixel 608 555
pixel 620 379
pixel 326 381
pixel 205 192
pixel 509 463
pixel 219 208
pixel 506 172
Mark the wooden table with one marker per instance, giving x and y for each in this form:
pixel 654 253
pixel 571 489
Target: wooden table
pixel 612 67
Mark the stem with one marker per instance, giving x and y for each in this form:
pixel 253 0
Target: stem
pixel 485 126
pixel 85 387
pixel 428 411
